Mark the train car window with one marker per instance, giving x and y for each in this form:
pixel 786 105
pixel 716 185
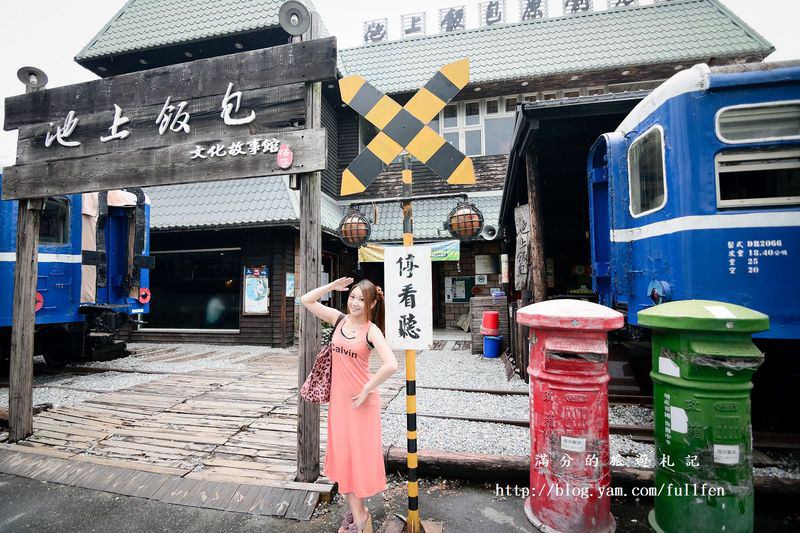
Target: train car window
pixel 757 123
pixel 55 221
pixel 758 177
pixel 646 175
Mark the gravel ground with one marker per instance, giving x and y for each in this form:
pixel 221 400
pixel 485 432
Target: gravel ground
pixel 464 403
pixel 458 435
pixel 630 415
pixel 57 397
pixel 134 363
pixel 106 381
pixel 463 369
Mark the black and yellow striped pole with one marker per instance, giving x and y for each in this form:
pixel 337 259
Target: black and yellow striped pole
pixel 413 523
pixel 405 128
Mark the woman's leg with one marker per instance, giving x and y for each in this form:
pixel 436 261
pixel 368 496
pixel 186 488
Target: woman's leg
pixel 357 506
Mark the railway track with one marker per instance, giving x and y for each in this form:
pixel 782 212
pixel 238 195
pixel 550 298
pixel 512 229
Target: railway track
pixel 643 433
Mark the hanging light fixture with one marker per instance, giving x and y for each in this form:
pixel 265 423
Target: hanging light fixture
pixel 465 221
pixel 354 230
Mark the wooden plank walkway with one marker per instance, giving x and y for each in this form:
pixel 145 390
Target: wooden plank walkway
pixel 219 438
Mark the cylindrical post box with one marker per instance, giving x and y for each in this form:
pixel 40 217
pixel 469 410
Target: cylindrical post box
pixel 569 415
pixel 703 363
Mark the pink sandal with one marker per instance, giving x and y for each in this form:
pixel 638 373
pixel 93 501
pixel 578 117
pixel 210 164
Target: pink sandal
pixel 347 519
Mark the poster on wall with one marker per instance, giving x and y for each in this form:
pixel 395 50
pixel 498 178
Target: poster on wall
pixel 256 290
pixel 325 278
pixel 458 289
pixel 522 220
pixel 409 297
pixel 485 264
pixel 289 285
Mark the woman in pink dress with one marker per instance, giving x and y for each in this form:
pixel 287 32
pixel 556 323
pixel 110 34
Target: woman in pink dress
pixel 354 456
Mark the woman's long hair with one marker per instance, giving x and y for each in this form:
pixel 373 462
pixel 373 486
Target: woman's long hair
pixel 372 293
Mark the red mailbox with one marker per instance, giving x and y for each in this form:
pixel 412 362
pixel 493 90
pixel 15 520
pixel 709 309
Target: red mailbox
pixel 569 415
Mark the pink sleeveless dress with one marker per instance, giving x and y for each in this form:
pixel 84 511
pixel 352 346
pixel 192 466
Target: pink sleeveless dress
pixel 354 456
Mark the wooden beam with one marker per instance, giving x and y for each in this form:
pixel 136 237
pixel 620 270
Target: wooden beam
pixel 536 269
pixel 268 67
pixel 20 392
pixel 161 166
pixel 308 440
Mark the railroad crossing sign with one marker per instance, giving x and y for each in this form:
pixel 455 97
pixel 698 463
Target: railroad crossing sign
pixel 405 127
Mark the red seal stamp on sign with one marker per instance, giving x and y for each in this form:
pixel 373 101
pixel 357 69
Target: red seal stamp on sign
pixel 285 156
pixel 39 302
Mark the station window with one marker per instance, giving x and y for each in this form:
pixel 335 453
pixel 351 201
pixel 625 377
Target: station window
pixel 54 228
pixel 763 122
pixel 646 174
pixel 480 127
pixel 758 177
pixel 476 127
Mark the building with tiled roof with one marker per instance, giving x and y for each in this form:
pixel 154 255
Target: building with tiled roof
pixel 582 72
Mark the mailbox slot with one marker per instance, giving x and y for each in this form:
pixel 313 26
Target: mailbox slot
pixel 562 360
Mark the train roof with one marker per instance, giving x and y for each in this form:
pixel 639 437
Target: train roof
pixel 702 77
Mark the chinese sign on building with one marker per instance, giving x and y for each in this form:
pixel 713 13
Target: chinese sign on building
pixel 532 9
pixel 413 24
pixel 577 6
pixel 622 3
pixel 492 12
pixel 522 221
pixel 452 19
pixel 153 128
pixel 376 31
pixel 408 294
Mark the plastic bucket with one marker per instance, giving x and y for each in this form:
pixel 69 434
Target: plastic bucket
pixel 492 346
pixel 490 324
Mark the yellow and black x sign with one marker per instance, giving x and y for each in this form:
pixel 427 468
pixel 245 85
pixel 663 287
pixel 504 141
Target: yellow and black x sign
pixel 406 127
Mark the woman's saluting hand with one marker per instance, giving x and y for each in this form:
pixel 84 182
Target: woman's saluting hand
pixel 341 284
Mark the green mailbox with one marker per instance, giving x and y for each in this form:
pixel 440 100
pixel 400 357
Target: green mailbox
pixel 703 363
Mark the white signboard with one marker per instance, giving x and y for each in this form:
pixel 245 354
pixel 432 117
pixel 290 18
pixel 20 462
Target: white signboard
pixel 522 220
pixel 409 297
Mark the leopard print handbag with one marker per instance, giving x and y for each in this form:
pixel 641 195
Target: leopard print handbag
pixel 317 387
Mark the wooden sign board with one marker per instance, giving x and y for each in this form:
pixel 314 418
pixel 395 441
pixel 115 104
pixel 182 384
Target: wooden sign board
pixel 409 297
pixel 205 120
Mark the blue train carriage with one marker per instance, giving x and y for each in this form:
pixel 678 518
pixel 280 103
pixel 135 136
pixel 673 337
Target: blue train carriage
pixel 93 274
pixel 697 195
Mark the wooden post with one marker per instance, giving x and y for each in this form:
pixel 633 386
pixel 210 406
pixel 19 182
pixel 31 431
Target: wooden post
pixel 536 270
pixel 20 386
pixel 308 442
pixel 23 318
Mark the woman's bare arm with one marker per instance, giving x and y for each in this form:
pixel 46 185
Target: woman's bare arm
pixel 386 370
pixel 310 299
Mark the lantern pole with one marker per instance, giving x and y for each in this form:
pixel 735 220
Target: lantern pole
pixel 413 523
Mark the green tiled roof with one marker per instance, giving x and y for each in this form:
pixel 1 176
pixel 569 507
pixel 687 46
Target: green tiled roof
pixel 664 32
pixel 146 24
pixel 265 201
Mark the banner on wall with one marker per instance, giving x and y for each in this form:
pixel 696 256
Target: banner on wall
pixel 409 297
pixel 256 290
pixel 440 251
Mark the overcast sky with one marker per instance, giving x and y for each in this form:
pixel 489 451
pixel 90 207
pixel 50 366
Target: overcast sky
pixel 49 33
